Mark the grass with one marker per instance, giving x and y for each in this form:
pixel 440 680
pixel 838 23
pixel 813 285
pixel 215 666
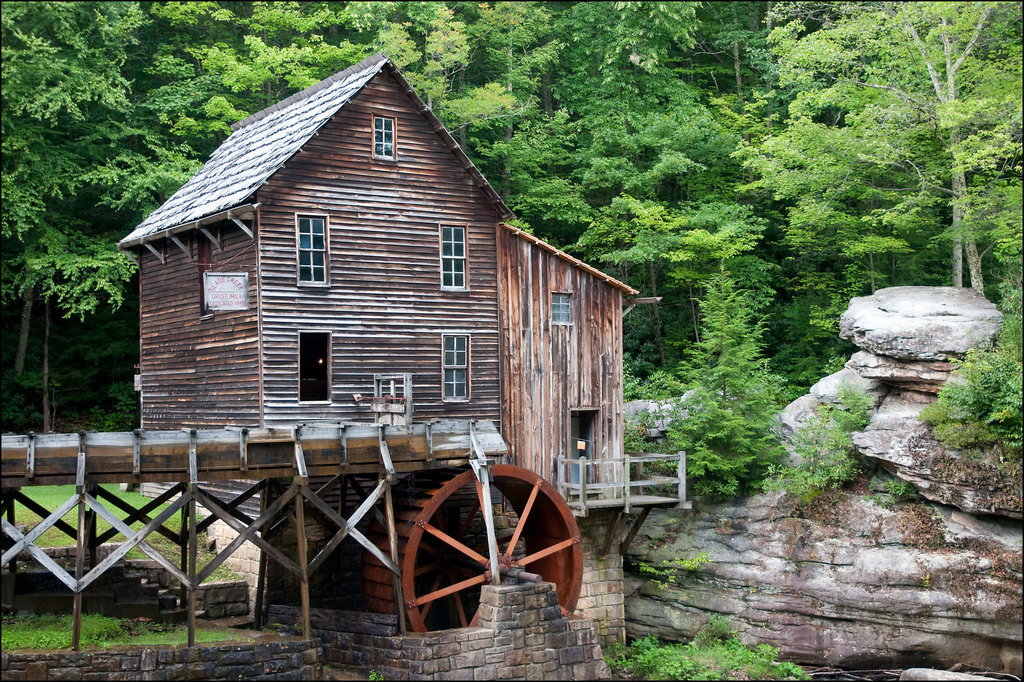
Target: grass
pixel 52 631
pixel 51 497
pixel 714 654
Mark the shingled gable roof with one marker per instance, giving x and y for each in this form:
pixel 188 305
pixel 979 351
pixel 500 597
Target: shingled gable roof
pixel 263 142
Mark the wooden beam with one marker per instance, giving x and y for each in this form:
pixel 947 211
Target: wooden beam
pixel 303 551
pixel 184 249
pixel 159 254
pixel 633 531
pixel 215 240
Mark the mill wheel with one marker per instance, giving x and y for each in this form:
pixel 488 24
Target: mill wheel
pixel 443 545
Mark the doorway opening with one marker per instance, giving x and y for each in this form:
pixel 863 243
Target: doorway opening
pixel 314 366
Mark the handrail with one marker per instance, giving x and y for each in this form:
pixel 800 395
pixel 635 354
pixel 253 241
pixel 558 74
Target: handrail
pixel 620 483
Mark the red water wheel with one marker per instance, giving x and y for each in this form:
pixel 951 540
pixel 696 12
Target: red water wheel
pixel 442 545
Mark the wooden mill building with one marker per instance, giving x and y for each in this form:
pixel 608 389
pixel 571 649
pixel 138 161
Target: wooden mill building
pixel 340 259
pixel 342 235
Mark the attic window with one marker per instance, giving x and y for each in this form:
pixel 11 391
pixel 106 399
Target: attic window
pixel 312 249
pixel 560 308
pixel 383 137
pixel 314 366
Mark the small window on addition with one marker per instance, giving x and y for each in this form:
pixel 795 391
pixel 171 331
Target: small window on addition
pixel 456 367
pixel 560 308
pixel 314 366
pixel 383 137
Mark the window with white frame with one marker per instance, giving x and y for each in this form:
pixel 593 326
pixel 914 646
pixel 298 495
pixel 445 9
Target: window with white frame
pixel 383 137
pixel 453 257
pixel 312 246
pixel 455 366
pixel 560 308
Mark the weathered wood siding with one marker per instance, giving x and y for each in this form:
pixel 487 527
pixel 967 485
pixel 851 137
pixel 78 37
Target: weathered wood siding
pixel 384 305
pixel 197 370
pixel 550 369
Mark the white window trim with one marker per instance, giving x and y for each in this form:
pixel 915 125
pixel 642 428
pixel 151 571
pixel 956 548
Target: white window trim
pixel 394 138
pixel 551 302
pixel 327 251
pixel 330 370
pixel 469 365
pixel 465 257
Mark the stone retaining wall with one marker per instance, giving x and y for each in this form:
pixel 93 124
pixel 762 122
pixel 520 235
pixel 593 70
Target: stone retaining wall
pixel 521 634
pixel 602 596
pixel 278 660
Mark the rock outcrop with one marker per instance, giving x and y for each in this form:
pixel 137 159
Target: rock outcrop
pixel 843 582
pixel 854 579
pixel 921 323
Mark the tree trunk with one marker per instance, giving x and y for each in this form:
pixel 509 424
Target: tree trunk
pixel 27 299
pixel 46 371
pixel 959 193
pixel 974 266
pixel 736 58
pixel 659 341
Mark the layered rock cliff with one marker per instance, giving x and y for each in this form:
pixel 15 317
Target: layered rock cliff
pixel 857 578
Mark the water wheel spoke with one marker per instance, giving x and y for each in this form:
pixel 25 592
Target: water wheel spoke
pixel 426 568
pixel 469 520
pixel 547 551
pixel 522 517
pixel 461 609
pixel 437 583
pixel 455 544
pixel 451 589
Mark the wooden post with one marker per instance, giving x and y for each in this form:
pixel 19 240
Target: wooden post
pixel 300 534
pixel 682 476
pixel 183 544
pixel 9 500
pixel 627 486
pixel 193 476
pixel 583 485
pixel 76 623
pixel 261 576
pixel 90 522
pixel 389 511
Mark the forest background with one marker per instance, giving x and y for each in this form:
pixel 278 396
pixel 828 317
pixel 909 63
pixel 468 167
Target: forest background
pixel 754 164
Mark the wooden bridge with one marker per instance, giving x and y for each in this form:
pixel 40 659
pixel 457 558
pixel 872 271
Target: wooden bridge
pixel 190 456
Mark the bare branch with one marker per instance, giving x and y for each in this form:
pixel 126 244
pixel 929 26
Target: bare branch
pixel 924 55
pixel 974 38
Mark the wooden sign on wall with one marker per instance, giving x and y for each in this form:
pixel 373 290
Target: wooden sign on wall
pixel 226 290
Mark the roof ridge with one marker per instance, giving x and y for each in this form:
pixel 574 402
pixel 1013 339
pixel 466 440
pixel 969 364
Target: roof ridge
pixel 372 60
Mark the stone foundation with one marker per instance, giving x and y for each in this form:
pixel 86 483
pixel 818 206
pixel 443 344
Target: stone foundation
pixel 245 561
pixel 601 597
pixel 521 634
pixel 285 660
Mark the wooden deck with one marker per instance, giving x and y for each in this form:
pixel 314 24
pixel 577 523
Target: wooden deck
pixel 336 449
pixel 621 484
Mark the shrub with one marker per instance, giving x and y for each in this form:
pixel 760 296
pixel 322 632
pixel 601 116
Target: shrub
pixel 714 654
pixel 829 458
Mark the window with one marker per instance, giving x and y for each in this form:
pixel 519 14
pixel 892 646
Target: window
pixel 314 366
pixel 383 137
pixel 312 250
pixel 560 308
pixel 456 367
pixel 453 257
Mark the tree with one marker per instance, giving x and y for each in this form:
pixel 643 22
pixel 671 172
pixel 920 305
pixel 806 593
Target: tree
pixel 906 111
pixel 726 429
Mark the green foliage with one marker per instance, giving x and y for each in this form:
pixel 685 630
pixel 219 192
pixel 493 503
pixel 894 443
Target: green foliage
pixel 714 654
pixel 828 456
pixel 374 675
pixel 666 573
pixel 53 631
pixel 724 423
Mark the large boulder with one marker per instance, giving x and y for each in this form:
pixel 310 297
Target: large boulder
pixel 843 582
pixel 905 447
pixel 920 323
pixel 926 376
